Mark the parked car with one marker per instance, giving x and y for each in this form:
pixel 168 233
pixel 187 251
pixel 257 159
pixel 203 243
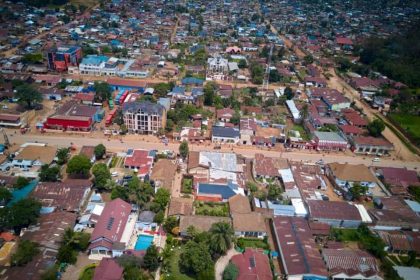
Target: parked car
pixel 6 166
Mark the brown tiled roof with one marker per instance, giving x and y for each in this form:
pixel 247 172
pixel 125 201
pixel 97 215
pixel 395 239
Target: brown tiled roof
pixel 202 223
pixel 164 171
pixel 180 206
pixel 88 151
pixel 249 222
pixel 253 264
pixel 9 117
pixel 350 172
pixel 239 204
pixel 268 166
pixel 108 269
pixel 193 160
pixel 371 141
pixel 45 154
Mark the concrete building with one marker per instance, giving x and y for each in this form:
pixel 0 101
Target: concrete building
pixel 144 117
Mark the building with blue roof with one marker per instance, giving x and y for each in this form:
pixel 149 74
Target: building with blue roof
pixel 222 191
pixel 192 81
pixel 222 134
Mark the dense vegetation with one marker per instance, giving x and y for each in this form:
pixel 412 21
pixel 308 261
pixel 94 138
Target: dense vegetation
pixel 398 56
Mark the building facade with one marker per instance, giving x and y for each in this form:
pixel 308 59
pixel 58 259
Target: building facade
pixel 144 117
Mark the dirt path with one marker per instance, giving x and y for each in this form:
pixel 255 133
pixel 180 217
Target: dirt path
pixel 339 84
pixel 73 271
pixel 222 262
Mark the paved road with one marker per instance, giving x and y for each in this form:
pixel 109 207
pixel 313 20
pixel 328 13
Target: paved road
pixel 62 140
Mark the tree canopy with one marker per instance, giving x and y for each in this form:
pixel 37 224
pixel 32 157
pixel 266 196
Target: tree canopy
pixel 63 155
pixel 21 214
pixel 49 174
pixel 100 151
pixel 376 127
pixel 102 175
pixel 25 252
pixel 28 96
pixel 221 235
pixel 183 149
pixel 103 91
pixel 79 165
pixel 151 258
pixel 195 258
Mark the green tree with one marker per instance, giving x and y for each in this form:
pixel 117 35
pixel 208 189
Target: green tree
pixel 289 93
pixel 231 272
pixel 21 182
pixel 195 258
pixel 274 192
pixel 159 217
pixel 102 175
pixel 63 155
pixel 35 58
pixel 170 223
pixel 162 198
pixel 5 196
pixel 99 151
pixel 357 191
pixel 134 273
pixel 183 149
pixel 21 214
pixel 242 64
pixel 27 95
pixel 415 192
pixel 162 89
pixel 236 118
pixel 376 127
pixel 220 238
pixel 151 258
pixel 274 76
pixel 25 252
pixel 252 187
pixel 308 59
pixel 49 174
pixel 79 165
pixel 304 111
pixel 119 192
pixel 209 93
pixel 257 73
pixel 103 91
pixel 66 254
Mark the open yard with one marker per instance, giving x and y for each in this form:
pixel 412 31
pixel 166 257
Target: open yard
pixel 211 208
pixel 174 272
pixel 410 123
pixel 252 243
pixel 303 134
pixel 186 185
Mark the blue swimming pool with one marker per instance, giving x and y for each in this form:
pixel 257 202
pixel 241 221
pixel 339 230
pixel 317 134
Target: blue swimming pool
pixel 143 242
pixel 22 193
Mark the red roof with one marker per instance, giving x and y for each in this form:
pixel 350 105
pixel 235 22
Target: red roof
pixel 344 41
pixel 141 160
pixel 108 269
pixel 225 113
pixel 126 82
pixel 7 236
pixel 333 210
pixel 112 222
pixel 371 141
pixel 9 117
pixel 300 254
pixel 85 96
pixel 354 118
pixel 400 176
pixel 350 129
pixel 252 265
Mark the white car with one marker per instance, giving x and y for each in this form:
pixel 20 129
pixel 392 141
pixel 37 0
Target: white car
pixel 376 159
pixel 114 174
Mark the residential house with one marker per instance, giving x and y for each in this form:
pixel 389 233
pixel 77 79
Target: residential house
pixel 247 128
pixel 108 269
pixel 351 264
pixel 315 82
pixel 163 173
pixel 268 167
pixel 144 117
pixel 252 264
pixel 10 120
pixel 68 195
pixel 140 161
pixel 346 175
pixel 217 192
pixel 334 213
pixel 398 179
pixel 299 254
pixel 225 114
pixel 179 206
pixel 34 155
pixel 109 230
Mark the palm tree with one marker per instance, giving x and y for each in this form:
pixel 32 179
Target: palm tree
pixel 221 237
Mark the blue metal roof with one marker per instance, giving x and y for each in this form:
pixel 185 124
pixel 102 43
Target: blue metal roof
pixel 224 190
pixel 192 81
pixel 94 59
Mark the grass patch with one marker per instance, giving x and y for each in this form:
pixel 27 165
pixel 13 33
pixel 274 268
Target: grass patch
pixel 301 129
pixel 88 272
pixel 114 162
pixel 252 243
pixel 409 123
pixel 174 272
pixel 345 234
pixel 186 186
pixel 211 209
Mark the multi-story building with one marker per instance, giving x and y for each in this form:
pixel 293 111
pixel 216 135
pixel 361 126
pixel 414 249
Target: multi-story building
pixel 217 68
pixel 144 117
pixel 62 58
pixel 99 65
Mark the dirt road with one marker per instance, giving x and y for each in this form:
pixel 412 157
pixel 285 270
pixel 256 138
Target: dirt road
pixel 339 84
pixel 136 142
pixel 222 262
